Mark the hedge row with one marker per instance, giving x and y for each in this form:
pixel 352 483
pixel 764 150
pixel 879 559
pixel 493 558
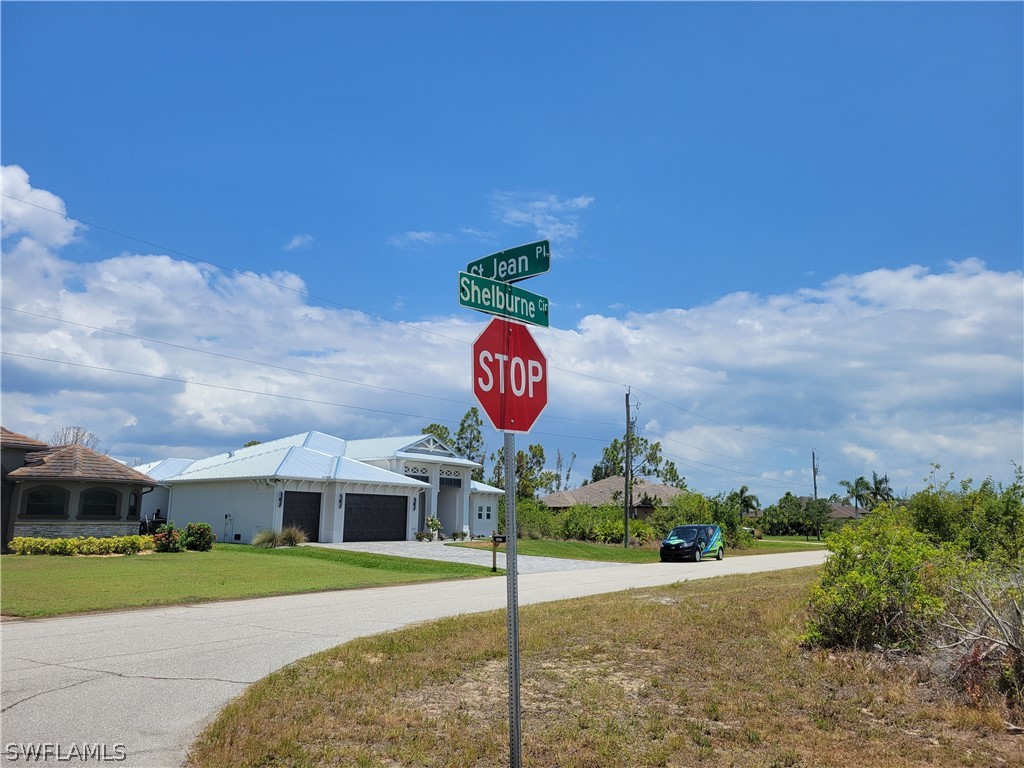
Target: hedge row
pixel 113 545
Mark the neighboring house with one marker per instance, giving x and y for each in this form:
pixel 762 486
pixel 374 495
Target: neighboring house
pixel 845 512
pixel 646 495
pixel 67 490
pixel 13 448
pixel 335 490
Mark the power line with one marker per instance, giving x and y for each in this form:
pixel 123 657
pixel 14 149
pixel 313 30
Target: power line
pixel 325 300
pixel 273 365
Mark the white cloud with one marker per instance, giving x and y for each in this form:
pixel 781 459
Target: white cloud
pixel 549 216
pixel 889 370
pixel 299 241
pixel 415 237
pixel 36 214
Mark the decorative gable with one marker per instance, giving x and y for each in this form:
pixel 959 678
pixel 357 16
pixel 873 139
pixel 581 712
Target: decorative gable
pixel 432 446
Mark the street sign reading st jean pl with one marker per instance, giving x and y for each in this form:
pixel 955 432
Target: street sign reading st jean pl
pixel 500 298
pixel 514 264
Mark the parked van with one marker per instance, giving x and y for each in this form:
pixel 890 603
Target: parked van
pixel 693 542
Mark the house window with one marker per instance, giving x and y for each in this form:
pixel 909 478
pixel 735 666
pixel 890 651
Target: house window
pixel 100 502
pixel 453 482
pixel 47 502
pixel 134 502
pixel 479 515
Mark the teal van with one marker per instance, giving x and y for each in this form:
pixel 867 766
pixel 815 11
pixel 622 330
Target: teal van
pixel 693 542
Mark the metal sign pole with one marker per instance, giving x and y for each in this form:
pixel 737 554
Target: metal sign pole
pixel 515 759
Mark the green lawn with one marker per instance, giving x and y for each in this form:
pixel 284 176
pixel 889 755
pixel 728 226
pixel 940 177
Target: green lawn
pixel 585 550
pixel 777 541
pixel 35 586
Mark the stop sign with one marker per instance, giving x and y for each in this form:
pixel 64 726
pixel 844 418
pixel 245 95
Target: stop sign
pixel 510 378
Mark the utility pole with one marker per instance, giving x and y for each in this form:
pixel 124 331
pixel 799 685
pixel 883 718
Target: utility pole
pixel 814 473
pixel 628 472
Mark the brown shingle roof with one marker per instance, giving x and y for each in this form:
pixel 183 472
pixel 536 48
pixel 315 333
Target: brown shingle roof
pixel 77 463
pixel 10 439
pixel 609 491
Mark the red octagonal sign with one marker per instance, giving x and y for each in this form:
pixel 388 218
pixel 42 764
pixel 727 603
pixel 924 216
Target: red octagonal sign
pixel 510 378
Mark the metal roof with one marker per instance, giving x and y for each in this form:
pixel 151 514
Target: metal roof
pixel 477 487
pixel 306 456
pixel 161 470
pixel 422 447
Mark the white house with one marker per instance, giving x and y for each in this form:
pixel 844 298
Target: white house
pixel 335 490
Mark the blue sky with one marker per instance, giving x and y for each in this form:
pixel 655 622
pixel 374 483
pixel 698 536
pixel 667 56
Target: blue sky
pixel 797 221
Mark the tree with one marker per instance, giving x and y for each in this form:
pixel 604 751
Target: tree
pixel 647 462
pixel 816 515
pixel 559 467
pixel 251 443
pixel 859 491
pixel 881 491
pixel 747 502
pixel 531 476
pixel 469 440
pixel 75 436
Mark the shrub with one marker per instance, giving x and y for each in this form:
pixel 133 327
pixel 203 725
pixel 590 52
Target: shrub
pixel 28 545
pixel 458 535
pixel 579 523
pixel 117 545
pixel 168 539
pixel 986 624
pixel 266 539
pixel 881 586
pixel 535 521
pixel 199 537
pixel 423 536
pixel 291 536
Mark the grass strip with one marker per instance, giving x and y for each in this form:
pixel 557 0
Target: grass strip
pixel 700 673
pixel 40 586
pixel 616 553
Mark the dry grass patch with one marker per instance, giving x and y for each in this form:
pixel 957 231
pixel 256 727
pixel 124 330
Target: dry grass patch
pixel 706 672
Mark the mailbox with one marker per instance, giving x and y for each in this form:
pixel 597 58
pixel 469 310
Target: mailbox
pixel 499 538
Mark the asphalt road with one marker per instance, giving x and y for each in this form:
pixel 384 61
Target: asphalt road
pixel 144 683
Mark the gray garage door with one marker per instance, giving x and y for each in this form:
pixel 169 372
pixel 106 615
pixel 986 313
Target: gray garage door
pixel 374 518
pixel 302 510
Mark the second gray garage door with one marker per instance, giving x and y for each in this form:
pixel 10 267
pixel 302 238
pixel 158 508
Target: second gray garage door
pixel 374 518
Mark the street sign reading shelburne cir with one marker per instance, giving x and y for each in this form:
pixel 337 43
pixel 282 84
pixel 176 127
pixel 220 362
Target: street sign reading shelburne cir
pixel 497 298
pixel 514 264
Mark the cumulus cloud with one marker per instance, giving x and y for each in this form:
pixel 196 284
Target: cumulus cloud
pixel 299 241
pixel 30 212
pixel 889 370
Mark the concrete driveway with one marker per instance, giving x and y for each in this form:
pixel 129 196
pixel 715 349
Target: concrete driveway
pixel 144 683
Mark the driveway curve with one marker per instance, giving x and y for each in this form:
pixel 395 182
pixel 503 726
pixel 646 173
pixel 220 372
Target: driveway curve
pixel 144 683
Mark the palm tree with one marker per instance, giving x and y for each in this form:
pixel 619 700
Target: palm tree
pixel 749 503
pixel 859 491
pixel 881 491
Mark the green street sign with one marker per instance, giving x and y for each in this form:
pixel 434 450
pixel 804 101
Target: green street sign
pixel 514 264
pixel 497 298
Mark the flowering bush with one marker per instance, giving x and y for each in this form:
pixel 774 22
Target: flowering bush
pixel 168 539
pixel 433 524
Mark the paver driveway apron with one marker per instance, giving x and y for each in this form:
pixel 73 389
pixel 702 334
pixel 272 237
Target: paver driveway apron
pixel 151 679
